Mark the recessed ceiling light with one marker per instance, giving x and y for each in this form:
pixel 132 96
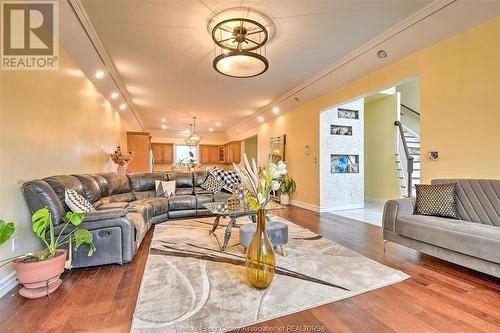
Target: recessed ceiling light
pixel 163 119
pixel 382 54
pixel 261 119
pixel 99 74
pixel 114 95
pixel 164 126
pixel 123 106
pixel 210 129
pixel 276 110
pixel 217 124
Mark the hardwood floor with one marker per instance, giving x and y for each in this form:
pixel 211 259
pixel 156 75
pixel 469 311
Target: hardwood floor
pixel 439 296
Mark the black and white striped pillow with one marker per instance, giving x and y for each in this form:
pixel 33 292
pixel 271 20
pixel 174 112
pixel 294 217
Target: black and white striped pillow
pixel 76 202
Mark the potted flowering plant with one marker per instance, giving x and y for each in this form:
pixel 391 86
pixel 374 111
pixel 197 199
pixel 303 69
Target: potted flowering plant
pixel 39 272
pixel 259 182
pixel 287 187
pixel 121 159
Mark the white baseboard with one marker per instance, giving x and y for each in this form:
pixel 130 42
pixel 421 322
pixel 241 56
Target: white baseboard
pixel 305 205
pixel 343 207
pixel 8 283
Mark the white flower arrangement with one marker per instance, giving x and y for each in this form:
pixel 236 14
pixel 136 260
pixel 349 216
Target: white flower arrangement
pixel 260 181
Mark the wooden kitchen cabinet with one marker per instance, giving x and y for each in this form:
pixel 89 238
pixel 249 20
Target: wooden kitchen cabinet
pixel 233 152
pixel 209 154
pixel 163 153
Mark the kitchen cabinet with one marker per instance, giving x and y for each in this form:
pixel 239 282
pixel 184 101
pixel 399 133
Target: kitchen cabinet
pixel 163 153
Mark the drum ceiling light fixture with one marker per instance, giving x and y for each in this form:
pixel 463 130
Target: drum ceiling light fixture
pixel 240 47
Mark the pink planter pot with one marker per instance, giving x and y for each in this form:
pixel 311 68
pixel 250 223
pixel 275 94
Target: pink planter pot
pixel 42 277
pixel 121 170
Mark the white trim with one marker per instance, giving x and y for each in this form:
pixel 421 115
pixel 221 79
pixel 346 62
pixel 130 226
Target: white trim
pixel 305 205
pixel 8 283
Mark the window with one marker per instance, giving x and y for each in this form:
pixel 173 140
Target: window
pixel 182 153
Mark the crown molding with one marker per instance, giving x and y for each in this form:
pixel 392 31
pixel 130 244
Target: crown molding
pixel 400 27
pixel 84 20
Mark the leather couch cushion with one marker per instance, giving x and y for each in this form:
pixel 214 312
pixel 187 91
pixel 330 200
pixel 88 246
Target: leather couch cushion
pixel 60 183
pixel 118 183
pixel 145 181
pixel 113 205
pixel 473 239
pixel 140 225
pixel 141 207
pixel 159 204
pixel 91 188
pixel 123 197
pixel 199 190
pixel 182 179
pixel 203 198
pixel 103 184
pixel 39 194
pixel 184 191
pixel 181 202
pixel 199 178
pixel 144 194
pixel 178 214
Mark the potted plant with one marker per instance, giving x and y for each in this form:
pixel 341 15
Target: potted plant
pixel 39 272
pixel 287 187
pixel 121 159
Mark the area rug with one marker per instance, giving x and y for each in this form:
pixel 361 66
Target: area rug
pixel 190 286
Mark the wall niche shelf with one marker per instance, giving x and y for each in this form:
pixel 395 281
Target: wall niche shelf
pixel 340 130
pixel 343 163
pixel 347 113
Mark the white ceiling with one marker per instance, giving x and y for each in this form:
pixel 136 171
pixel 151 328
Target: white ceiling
pixel 163 52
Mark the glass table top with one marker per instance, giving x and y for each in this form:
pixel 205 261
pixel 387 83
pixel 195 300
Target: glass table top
pixel 221 207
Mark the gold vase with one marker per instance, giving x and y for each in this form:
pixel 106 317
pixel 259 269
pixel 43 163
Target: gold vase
pixel 260 260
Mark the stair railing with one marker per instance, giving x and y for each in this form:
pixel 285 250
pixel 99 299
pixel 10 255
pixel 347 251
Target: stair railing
pixel 408 166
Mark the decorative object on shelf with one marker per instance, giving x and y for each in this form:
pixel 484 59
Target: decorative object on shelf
pixel 344 163
pixel 240 47
pixel 348 114
pixel 233 202
pixel 340 130
pixel 259 182
pixel 39 272
pixel 287 187
pixel 121 159
pixel 194 138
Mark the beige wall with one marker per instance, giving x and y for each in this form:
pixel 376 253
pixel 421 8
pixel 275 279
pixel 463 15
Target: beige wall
pixel 381 176
pixel 250 147
pixel 51 122
pixel 459 99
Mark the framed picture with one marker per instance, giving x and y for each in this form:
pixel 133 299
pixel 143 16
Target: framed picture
pixel 348 114
pixel 344 163
pixel 340 130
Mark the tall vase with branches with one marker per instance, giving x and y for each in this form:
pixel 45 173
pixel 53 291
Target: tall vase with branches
pixel 259 182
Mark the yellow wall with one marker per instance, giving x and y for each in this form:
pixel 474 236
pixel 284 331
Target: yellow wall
pixel 51 122
pixel 459 102
pixel 381 176
pixel 250 147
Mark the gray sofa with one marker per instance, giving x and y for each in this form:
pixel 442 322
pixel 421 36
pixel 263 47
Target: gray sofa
pixel 126 207
pixel 473 241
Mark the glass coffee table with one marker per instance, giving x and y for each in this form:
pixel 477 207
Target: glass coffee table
pixel 221 210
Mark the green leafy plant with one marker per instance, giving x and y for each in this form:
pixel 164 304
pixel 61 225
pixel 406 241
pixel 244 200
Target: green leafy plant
pixel 44 228
pixel 6 230
pixel 287 184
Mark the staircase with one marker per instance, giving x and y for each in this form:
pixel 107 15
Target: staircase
pixel 408 160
